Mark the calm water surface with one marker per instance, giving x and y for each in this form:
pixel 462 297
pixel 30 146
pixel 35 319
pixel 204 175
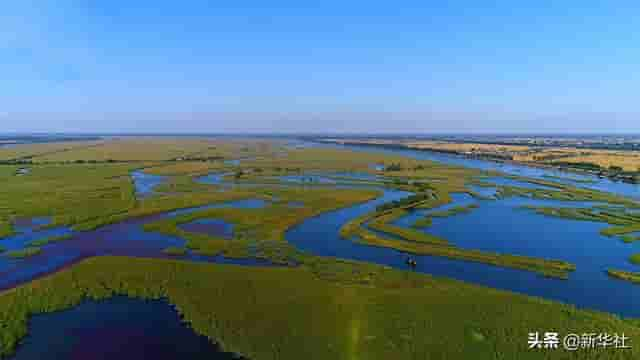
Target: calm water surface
pixel 497 226
pixel 118 328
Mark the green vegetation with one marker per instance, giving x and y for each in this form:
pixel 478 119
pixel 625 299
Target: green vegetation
pixel 260 232
pixel 635 259
pixel 422 223
pixel 322 308
pixel 381 223
pixel 625 223
pixel 454 211
pixel 175 251
pixel 633 277
pixel 53 239
pixel 23 253
pixel 629 238
pixel 5 228
pixel 293 313
pixel 71 194
pixel 551 268
pixel 408 202
pixel 427 221
pixel 418 242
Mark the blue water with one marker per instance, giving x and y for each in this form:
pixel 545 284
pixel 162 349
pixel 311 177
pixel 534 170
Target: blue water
pixel 497 226
pixel 124 239
pixel 118 328
pixel 24 238
pixel 500 226
pixel 144 183
pixel 362 176
pixel 620 188
pixel 484 191
pixel 212 178
pixel 31 225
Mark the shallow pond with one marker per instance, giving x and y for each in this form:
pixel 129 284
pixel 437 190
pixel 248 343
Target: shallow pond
pixel 212 178
pixel 144 183
pixel 118 328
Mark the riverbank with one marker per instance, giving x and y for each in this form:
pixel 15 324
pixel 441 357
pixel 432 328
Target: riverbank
pixel 614 173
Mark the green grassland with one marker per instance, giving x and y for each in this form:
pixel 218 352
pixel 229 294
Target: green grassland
pixel 69 193
pixel 260 232
pixel 27 152
pixel 293 313
pixel 23 253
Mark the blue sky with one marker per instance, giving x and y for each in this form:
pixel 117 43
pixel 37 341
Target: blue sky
pixel 338 66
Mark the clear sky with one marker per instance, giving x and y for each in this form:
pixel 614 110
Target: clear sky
pixel 337 66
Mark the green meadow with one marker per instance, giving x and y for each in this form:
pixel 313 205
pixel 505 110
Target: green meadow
pixel 293 313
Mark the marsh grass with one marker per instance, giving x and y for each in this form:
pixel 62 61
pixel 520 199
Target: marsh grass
pixel 635 259
pixel 175 251
pixel 49 240
pixel 624 223
pixel 23 253
pixel 422 223
pixel 417 242
pixel 464 209
pixel 630 276
pixel 260 232
pixel 326 313
pixel 628 239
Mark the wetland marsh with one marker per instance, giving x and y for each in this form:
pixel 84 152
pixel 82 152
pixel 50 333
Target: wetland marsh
pixel 335 223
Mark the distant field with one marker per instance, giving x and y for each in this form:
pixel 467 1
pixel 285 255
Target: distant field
pixel 132 150
pixel 191 167
pixel 28 151
pixel 629 161
pixel 465 147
